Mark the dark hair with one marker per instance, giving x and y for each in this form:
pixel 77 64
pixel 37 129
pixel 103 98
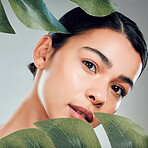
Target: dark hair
pixel 78 21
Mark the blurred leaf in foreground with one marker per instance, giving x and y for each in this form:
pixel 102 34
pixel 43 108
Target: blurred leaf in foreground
pixel 34 14
pixel 69 132
pixel 97 7
pixel 27 138
pixel 4 23
pixel 123 132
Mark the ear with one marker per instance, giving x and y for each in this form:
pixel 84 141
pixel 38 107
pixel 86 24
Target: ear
pixel 42 52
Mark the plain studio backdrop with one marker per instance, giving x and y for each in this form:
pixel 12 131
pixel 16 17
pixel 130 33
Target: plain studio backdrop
pixel 16 53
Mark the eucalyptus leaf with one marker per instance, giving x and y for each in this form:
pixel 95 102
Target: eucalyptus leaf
pixel 4 23
pixel 97 7
pixel 34 14
pixel 27 138
pixel 123 132
pixel 69 133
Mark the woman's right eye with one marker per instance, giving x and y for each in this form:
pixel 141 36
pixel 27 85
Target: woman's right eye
pixel 90 65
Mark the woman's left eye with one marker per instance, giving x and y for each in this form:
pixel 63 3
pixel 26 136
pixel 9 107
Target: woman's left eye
pixel 118 90
pixel 90 65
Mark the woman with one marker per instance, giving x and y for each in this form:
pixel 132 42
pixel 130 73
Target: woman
pixel 89 70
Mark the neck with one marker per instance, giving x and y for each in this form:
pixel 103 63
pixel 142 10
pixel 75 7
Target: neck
pixel 31 110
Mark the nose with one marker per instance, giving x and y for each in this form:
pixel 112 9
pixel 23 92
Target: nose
pixel 97 94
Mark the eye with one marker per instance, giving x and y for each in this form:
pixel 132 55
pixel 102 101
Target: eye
pixel 90 65
pixel 118 90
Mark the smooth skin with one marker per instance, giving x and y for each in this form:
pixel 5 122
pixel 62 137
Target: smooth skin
pixel 94 70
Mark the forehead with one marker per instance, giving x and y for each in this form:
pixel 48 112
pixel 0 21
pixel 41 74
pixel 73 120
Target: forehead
pixel 115 46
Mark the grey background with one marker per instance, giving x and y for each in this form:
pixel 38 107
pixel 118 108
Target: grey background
pixel 16 53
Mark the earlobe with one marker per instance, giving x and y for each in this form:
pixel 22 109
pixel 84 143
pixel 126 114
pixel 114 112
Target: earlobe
pixel 42 52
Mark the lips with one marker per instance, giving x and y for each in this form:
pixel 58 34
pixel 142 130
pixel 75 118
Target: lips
pixel 81 113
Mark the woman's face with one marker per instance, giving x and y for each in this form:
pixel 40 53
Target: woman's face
pixel 92 72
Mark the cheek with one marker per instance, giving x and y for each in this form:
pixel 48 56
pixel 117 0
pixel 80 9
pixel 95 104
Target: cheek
pixel 111 105
pixel 61 84
pixel 71 77
pixel 118 103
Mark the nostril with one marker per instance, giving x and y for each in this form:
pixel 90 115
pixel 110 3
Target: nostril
pixel 92 98
pixel 99 104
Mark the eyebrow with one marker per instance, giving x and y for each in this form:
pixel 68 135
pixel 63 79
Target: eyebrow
pixel 126 79
pixel 104 59
pixel 109 64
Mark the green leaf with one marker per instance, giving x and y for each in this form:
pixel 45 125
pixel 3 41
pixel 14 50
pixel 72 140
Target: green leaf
pixel 97 7
pixel 69 132
pixel 4 23
pixel 34 14
pixel 27 138
pixel 123 132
